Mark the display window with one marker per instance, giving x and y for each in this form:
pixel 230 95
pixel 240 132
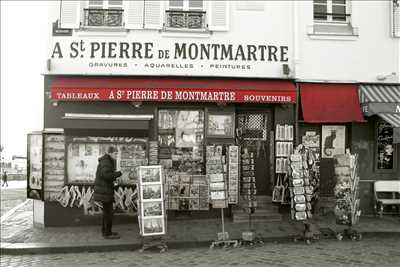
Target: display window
pixel 83 154
pixel 385 149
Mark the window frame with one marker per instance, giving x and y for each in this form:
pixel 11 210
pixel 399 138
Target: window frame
pixel 329 10
pixel 104 6
pixel 186 6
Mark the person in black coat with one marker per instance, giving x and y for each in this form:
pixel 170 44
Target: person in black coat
pixel 104 189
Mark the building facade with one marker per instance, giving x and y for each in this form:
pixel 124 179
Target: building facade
pixel 164 80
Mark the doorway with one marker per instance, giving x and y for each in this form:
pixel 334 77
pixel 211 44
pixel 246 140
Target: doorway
pixel 253 130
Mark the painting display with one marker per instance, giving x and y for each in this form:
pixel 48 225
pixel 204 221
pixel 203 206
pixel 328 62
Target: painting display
pixel 35 179
pixel 83 154
pixel 221 125
pixel 152 214
pixel 333 140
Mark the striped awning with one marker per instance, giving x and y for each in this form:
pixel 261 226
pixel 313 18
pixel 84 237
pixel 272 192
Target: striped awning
pixel 384 101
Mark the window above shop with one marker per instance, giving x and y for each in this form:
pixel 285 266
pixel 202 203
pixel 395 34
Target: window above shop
pixel 186 14
pixel 332 17
pixel 103 13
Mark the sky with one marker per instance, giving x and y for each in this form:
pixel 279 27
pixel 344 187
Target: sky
pixel 24 38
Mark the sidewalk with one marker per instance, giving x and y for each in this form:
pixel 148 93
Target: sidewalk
pixel 18 236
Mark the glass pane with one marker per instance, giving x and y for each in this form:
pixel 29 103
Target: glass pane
pixel 176 3
pixel 342 2
pixel 115 3
pixel 198 4
pixel 338 11
pixel 95 3
pixel 320 12
pixel 320 2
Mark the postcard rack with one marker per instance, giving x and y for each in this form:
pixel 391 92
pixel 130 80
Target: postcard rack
pixel 217 176
pixel 347 209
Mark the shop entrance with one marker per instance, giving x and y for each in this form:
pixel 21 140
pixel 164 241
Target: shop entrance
pixel 253 134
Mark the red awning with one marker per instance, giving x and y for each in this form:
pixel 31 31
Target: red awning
pixel 325 103
pixel 173 90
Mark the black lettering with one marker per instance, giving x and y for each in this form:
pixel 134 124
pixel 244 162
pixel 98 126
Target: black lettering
pixel 251 52
pixel 57 51
pixel 193 51
pixel 180 51
pixel 226 52
pixel 93 48
pixel 215 48
pixel 103 49
pixel 111 50
pixel 205 51
pixel 147 50
pixel 240 53
pixel 74 50
pixel 284 51
pixel 123 50
pixel 272 53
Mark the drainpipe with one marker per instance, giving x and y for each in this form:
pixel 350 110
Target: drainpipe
pixel 295 68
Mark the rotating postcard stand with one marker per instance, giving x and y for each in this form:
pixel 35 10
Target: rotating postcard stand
pixel 347 209
pixel 152 216
pixel 216 172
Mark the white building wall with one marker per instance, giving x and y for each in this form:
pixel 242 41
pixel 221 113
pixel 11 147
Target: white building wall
pixel 374 52
pixel 260 23
pixel 350 58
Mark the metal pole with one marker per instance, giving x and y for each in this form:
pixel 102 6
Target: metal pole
pixel 223 224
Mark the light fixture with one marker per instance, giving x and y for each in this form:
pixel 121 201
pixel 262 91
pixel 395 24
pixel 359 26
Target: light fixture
pixel 54 103
pixel 48 64
pixel 384 77
pixel 286 69
pixel 136 104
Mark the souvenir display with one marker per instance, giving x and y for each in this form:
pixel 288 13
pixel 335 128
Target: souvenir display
pixel 385 159
pixel 216 173
pixel 187 192
pixel 34 171
pixel 152 216
pixel 233 174
pixel 248 183
pixel 284 132
pixel 347 208
pixel 153 153
pixel 54 151
pixel 303 183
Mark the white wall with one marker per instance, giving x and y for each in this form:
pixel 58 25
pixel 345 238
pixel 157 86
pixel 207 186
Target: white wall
pixel 270 25
pixel 374 52
pixel 358 58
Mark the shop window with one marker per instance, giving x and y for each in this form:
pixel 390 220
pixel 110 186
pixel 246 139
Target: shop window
pixel 83 154
pixel 104 13
pixel 385 149
pixel 181 140
pixel 185 14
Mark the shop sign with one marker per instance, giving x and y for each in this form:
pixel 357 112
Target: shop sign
pixel 175 95
pixel 374 108
pixel 110 57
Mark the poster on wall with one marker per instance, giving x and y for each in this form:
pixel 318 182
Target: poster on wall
pixel 189 128
pixel 221 125
pixel 34 175
pixel 151 201
pixel 333 140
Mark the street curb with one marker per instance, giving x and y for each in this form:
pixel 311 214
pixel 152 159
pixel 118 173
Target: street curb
pixel 110 245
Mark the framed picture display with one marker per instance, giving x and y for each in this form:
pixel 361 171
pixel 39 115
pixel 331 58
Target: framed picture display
pixel 333 140
pixel 151 202
pixel 221 125
pixel 34 171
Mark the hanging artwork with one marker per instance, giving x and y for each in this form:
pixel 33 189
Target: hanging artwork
pixel 221 125
pixel 333 140
pixel 152 220
pixel 35 181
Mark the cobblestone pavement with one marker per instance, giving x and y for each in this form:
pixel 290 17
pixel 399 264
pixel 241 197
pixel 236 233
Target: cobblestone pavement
pixel 368 252
pixel 11 196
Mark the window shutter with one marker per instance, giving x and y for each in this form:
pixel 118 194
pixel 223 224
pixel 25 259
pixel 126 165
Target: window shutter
pixel 218 17
pixel 133 13
pixel 70 14
pixel 153 14
pixel 395 18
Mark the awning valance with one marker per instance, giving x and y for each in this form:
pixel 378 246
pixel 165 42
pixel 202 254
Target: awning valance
pixel 330 103
pixel 384 101
pixel 172 90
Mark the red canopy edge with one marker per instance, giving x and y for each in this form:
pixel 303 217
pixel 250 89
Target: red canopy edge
pixel 330 103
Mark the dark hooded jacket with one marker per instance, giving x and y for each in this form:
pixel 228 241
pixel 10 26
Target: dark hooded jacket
pixel 105 177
